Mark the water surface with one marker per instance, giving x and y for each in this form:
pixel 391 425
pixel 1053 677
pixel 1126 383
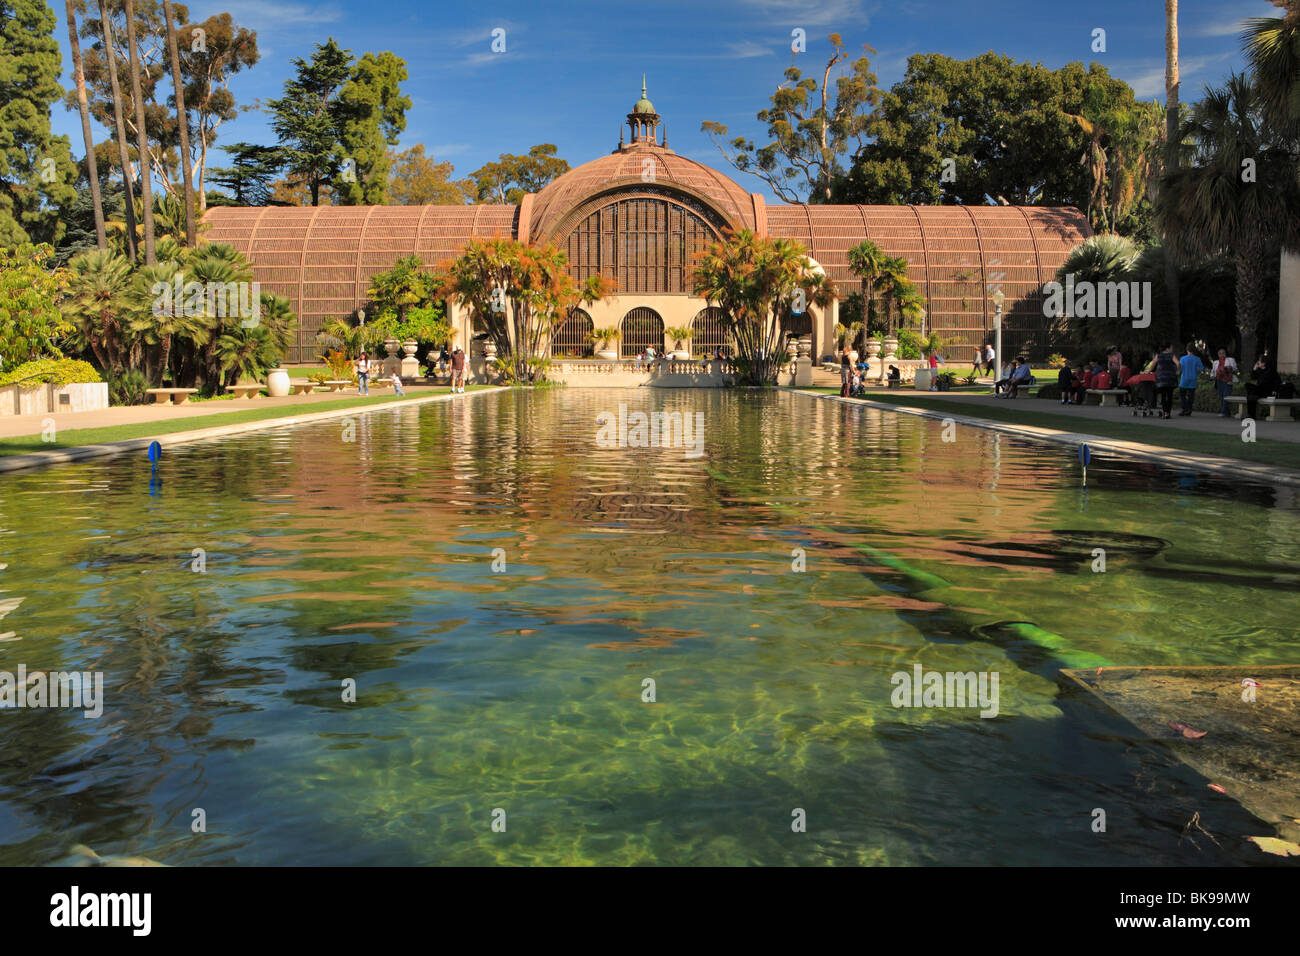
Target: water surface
pixel 521 689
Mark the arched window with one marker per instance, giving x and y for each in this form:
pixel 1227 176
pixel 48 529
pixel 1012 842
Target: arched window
pixel 641 328
pixel 709 332
pixel 573 336
pixel 644 244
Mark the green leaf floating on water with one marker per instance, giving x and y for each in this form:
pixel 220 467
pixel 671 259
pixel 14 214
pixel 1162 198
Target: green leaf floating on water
pixel 1275 846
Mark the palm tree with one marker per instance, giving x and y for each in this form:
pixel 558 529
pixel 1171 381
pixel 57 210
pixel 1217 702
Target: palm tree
pixel 141 136
pixel 1207 207
pixel 98 302
pixel 891 282
pixel 754 281
pixel 1171 130
pixel 123 153
pixel 1103 258
pixel 350 339
pixel 182 122
pixel 1272 46
pixel 866 261
pixel 83 107
pixel 155 328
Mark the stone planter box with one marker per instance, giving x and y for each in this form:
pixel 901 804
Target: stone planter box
pixel 45 399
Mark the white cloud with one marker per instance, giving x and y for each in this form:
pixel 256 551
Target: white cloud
pixel 746 49
pixel 1232 26
pixel 1191 75
pixel 268 15
pixel 814 12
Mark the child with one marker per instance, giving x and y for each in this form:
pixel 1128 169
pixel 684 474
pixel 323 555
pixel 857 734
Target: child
pixel 397 383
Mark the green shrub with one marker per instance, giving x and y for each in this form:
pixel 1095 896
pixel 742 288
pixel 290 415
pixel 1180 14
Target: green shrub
pixel 53 371
pixel 909 344
pixel 127 388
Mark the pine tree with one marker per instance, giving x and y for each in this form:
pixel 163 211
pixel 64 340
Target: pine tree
pixel 37 171
pixel 372 111
pixel 307 118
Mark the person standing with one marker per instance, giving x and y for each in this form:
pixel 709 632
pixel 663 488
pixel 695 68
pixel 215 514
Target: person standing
pixel 458 370
pixel 1065 382
pixel 976 362
pixel 1191 368
pixel 397 383
pixel 363 374
pixel 989 357
pixel 1224 373
pixel 1167 372
pixel 846 374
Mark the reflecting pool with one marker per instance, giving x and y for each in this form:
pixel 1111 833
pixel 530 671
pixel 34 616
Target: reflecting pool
pixel 507 592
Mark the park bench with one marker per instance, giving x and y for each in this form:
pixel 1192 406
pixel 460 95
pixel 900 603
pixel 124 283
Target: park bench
pixel 1105 396
pixel 302 388
pixel 1238 404
pixel 177 396
pixel 246 391
pixel 337 384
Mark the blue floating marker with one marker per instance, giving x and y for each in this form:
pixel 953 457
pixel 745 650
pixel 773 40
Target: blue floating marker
pixel 155 452
pixel 1085 456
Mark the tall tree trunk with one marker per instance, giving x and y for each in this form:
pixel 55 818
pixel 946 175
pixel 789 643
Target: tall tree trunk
pixel 182 118
pixel 142 137
pixel 1171 144
pixel 1252 295
pixel 101 239
pixel 123 153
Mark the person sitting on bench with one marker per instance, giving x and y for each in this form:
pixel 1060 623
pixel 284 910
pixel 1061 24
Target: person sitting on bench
pixel 1005 381
pixel 895 376
pixel 1022 377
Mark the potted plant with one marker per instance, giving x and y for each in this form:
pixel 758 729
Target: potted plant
pixel 604 339
pixel 945 381
pixel 679 334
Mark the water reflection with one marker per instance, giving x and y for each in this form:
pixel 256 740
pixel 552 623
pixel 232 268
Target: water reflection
pixel 371 561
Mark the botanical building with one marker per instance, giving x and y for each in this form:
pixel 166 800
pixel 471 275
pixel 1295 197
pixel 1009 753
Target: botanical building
pixel 639 215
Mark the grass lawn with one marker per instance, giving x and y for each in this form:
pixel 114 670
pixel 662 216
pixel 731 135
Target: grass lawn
pixel 72 438
pixel 1267 451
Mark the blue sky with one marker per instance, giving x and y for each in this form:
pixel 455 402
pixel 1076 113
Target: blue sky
pixel 571 71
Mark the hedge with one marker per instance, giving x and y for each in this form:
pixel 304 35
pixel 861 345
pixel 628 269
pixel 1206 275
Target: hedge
pixel 62 371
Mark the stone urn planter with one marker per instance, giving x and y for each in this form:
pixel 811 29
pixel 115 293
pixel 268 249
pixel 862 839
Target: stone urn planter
pixel 410 364
pixel 609 355
pixel 873 348
pixel 277 382
pixel 890 344
pixel 923 378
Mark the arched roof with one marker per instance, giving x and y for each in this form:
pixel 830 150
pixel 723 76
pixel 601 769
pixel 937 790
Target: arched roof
pixel 629 169
pixel 322 257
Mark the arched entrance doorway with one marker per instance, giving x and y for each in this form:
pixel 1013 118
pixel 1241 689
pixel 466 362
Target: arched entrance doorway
pixel 572 338
pixel 709 332
pixel 641 328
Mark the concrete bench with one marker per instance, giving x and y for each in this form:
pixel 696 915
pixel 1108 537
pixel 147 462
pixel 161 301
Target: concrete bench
pixel 1273 405
pixel 302 388
pixel 177 396
pixel 337 384
pixel 246 391
pixel 1105 395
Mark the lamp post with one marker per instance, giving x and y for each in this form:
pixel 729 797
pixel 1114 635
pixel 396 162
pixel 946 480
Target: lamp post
pixel 998 296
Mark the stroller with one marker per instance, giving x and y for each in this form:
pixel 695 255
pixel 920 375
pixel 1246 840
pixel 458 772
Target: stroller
pixel 1144 398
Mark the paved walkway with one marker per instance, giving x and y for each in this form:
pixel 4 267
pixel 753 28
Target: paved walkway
pixel 18 426
pixel 1285 430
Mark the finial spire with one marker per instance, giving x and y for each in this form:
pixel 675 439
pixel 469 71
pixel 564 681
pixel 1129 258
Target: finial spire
pixel 642 86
